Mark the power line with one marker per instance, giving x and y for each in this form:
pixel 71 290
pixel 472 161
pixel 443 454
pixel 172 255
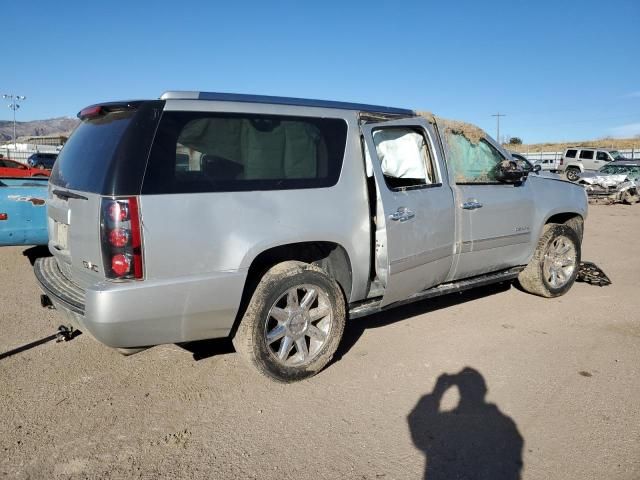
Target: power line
pixel 498 115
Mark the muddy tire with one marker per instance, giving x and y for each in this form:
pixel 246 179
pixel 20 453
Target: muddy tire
pixel 555 263
pixel 293 323
pixel 573 174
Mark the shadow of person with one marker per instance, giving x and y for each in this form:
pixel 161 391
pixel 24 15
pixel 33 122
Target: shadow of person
pixel 475 440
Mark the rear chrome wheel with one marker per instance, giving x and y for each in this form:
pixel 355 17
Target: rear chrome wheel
pixel 293 323
pixel 298 325
pixel 573 174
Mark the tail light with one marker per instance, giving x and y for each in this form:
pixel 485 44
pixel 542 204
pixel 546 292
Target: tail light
pixel 121 238
pixel 561 161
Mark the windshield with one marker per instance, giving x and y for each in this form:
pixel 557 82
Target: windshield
pixel 616 155
pixel 631 170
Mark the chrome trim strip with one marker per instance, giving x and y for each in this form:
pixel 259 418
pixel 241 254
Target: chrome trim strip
pixel 495 242
pixel 414 261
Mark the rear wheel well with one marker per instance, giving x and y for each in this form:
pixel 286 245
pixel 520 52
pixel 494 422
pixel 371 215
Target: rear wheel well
pixel 572 220
pixel 329 256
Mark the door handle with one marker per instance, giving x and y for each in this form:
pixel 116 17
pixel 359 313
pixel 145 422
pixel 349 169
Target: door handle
pixel 402 214
pixel 471 205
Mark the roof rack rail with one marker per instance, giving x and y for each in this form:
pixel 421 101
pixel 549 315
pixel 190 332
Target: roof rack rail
pixel 303 102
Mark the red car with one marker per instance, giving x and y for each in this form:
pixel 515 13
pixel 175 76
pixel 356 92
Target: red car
pixel 11 168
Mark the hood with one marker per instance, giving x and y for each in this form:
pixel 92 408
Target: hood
pixel 604 180
pixel 548 174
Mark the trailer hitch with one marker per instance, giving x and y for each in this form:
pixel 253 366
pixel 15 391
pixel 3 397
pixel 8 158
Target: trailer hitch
pixel 64 333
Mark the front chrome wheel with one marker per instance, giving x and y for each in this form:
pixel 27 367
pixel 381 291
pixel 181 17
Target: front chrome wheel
pixel 298 325
pixel 559 262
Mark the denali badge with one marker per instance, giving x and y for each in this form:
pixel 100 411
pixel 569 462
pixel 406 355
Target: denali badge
pixel 91 266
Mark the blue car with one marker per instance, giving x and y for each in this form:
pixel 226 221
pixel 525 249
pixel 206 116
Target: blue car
pixel 42 160
pixel 23 214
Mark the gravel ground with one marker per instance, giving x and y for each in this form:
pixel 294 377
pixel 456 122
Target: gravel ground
pixel 562 377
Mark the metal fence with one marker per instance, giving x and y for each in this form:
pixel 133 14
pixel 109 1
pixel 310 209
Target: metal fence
pixel 631 153
pixel 22 155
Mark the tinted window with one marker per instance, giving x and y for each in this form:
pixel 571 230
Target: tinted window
pixel 571 154
pixel 602 156
pixel 473 162
pixel 213 152
pixel 107 154
pixel 586 154
pixel 12 164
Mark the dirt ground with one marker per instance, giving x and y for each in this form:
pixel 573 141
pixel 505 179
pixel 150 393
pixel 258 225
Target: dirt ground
pixel 562 382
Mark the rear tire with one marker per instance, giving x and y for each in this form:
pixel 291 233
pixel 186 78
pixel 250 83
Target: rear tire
pixel 554 266
pixel 294 322
pixel 573 174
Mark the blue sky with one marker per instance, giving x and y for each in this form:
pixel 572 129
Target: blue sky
pixel 559 70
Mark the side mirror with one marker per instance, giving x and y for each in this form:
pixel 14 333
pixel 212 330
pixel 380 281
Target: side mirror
pixel 508 171
pixel 536 168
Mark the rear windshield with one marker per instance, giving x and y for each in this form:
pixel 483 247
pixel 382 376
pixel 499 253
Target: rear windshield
pixel 217 152
pixel 107 154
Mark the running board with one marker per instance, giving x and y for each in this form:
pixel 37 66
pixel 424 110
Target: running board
pixel 367 307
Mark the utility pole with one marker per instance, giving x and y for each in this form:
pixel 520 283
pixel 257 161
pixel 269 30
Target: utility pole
pixel 14 105
pixel 498 115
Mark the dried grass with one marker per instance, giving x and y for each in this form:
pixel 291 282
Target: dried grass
pixel 471 132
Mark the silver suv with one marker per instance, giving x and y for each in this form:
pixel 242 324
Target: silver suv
pixel 273 220
pixel 578 159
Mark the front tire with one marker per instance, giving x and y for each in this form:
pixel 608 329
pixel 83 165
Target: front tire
pixel 554 266
pixel 293 323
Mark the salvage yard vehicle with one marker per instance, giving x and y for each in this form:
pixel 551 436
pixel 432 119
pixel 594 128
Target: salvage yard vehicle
pixel 23 215
pixel 617 181
pixel 13 169
pixel 579 159
pixel 272 220
pixel 42 160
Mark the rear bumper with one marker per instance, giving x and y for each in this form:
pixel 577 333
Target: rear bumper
pixel 137 314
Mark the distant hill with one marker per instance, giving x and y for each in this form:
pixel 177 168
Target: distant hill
pixel 52 126
pixel 618 143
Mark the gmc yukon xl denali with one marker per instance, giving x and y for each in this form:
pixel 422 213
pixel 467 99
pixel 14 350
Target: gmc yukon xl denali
pixel 273 220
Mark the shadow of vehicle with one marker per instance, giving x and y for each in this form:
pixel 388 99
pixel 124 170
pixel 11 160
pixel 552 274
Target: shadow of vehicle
pixel 355 328
pixel 202 349
pixel 33 253
pixel 475 440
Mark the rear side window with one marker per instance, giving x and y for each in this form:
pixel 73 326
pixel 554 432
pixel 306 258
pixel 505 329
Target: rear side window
pixel 571 154
pixel 586 154
pixel 214 152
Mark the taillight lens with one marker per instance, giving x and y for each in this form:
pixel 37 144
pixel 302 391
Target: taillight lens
pixel 121 238
pixel 118 211
pixel 120 264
